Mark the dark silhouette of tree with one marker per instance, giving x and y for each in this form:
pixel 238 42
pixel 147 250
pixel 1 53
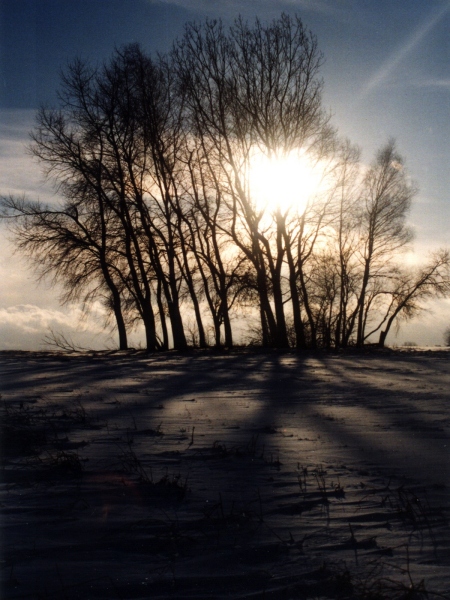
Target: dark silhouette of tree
pixel 93 142
pixel 71 248
pixel 407 290
pixel 117 134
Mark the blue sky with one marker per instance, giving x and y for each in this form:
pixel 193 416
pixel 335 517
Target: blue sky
pixel 386 74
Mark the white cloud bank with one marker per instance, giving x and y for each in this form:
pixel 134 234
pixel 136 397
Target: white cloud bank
pixel 25 326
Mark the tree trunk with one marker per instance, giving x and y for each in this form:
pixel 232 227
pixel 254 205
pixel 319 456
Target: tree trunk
pixel 227 325
pixel 312 325
pixel 275 271
pixel 281 340
pixel 361 300
pixel 117 305
pixel 300 338
pixel 198 315
pixel 121 329
pixel 150 332
pixel 216 322
pixel 268 322
pixel 162 316
pixel 179 338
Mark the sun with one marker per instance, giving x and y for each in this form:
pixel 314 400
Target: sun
pixel 284 182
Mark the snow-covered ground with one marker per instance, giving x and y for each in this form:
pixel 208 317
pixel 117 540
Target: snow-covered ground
pixel 247 474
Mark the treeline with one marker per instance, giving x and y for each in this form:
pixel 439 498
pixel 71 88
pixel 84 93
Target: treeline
pixel 158 215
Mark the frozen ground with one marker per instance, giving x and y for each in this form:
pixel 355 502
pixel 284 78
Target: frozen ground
pixel 240 475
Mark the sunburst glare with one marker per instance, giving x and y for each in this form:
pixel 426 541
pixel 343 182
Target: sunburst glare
pixel 284 182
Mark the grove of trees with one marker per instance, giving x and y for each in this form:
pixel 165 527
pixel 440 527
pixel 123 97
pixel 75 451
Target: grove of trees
pixel 158 214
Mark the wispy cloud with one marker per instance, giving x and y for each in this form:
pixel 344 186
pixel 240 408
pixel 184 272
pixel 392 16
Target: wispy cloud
pixel 433 83
pixel 233 7
pixel 404 50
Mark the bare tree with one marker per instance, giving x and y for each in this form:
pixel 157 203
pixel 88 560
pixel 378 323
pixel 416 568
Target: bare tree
pixel 70 246
pixel 253 89
pixel 385 203
pixel 83 147
pixel 409 289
